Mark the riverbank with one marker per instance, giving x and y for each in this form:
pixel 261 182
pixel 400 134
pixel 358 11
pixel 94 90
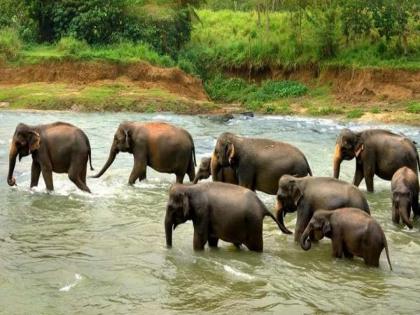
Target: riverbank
pixel 365 94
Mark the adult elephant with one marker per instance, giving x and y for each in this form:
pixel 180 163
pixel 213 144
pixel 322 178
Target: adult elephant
pixel 162 146
pixel 58 147
pixel 377 151
pixel 225 174
pixel 258 163
pixel 218 211
pixel 308 194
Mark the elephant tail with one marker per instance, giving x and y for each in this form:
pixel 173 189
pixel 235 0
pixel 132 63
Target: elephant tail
pixel 193 155
pixel 281 226
pixel 90 159
pixel 309 168
pixel 387 253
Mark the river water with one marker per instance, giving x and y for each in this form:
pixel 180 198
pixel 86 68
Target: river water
pixel 104 253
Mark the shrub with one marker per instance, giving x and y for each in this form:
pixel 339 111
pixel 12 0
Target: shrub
pixel 10 44
pixel 252 95
pixel 414 108
pixel 71 45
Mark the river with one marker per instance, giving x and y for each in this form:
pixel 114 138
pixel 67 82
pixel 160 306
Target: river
pixel 104 253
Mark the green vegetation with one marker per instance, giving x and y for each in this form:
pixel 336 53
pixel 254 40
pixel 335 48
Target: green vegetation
pixel 106 97
pixel 252 95
pixel 226 43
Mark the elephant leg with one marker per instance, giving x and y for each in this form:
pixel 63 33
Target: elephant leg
pixel 35 173
pixel 138 171
pixel 346 253
pixel 255 244
pixel 415 205
pixel 369 173
pixel 75 177
pixel 213 241
pixel 371 258
pixel 180 178
pixel 237 245
pixel 200 239
pixel 358 175
pixel 48 179
pixel 337 247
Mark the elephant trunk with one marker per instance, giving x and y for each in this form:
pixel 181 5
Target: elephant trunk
pixel 337 161
pixel 305 240
pixel 280 214
pixel 112 154
pixel 405 215
pixel 198 177
pixel 168 230
pixel 12 163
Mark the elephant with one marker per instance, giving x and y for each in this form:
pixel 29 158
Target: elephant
pixel 218 211
pixel 225 174
pixel 405 195
pixel 352 231
pixel 308 194
pixel 377 151
pixel 58 147
pixel 162 146
pixel 258 163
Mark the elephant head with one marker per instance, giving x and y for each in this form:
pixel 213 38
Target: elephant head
pixel 26 140
pixel 319 226
pixel 122 143
pixel 288 196
pixel 204 170
pixel 225 150
pixel 347 147
pixel 401 201
pixel 177 211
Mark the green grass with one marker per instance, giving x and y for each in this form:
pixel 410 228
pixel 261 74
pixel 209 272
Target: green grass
pixel 414 107
pixel 123 52
pixel 106 97
pixel 324 110
pixel 253 96
pixel 355 113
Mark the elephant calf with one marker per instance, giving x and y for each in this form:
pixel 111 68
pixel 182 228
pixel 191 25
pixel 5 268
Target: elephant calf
pixel 224 174
pixel 218 211
pixel 352 231
pixel 405 195
pixel 58 147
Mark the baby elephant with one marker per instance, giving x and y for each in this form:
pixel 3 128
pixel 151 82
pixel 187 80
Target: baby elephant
pixel 352 232
pixel 405 195
pixel 218 211
pixel 224 174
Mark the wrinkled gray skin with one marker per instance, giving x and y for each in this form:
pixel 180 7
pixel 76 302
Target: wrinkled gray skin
pixel 377 152
pixel 405 196
pixel 258 163
pixel 225 174
pixel 58 147
pixel 162 146
pixel 218 211
pixel 308 194
pixel 352 231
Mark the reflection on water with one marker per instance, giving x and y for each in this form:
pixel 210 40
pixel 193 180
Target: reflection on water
pixel 72 252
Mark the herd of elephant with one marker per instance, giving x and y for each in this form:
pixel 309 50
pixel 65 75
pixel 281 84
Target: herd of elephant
pixel 228 208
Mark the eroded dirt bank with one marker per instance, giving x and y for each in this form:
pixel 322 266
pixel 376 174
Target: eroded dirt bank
pixel 143 74
pixel 349 85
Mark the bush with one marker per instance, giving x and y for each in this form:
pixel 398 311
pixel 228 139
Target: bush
pixel 252 95
pixel 71 45
pixel 10 44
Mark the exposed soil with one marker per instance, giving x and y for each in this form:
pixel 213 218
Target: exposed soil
pixel 348 85
pixel 143 74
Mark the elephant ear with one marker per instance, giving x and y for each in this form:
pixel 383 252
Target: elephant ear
pixel 359 150
pixel 297 193
pixel 127 134
pixel 230 152
pixel 326 229
pixel 34 141
pixel 186 205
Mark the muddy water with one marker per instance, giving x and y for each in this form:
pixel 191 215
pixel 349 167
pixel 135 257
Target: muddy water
pixel 71 252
